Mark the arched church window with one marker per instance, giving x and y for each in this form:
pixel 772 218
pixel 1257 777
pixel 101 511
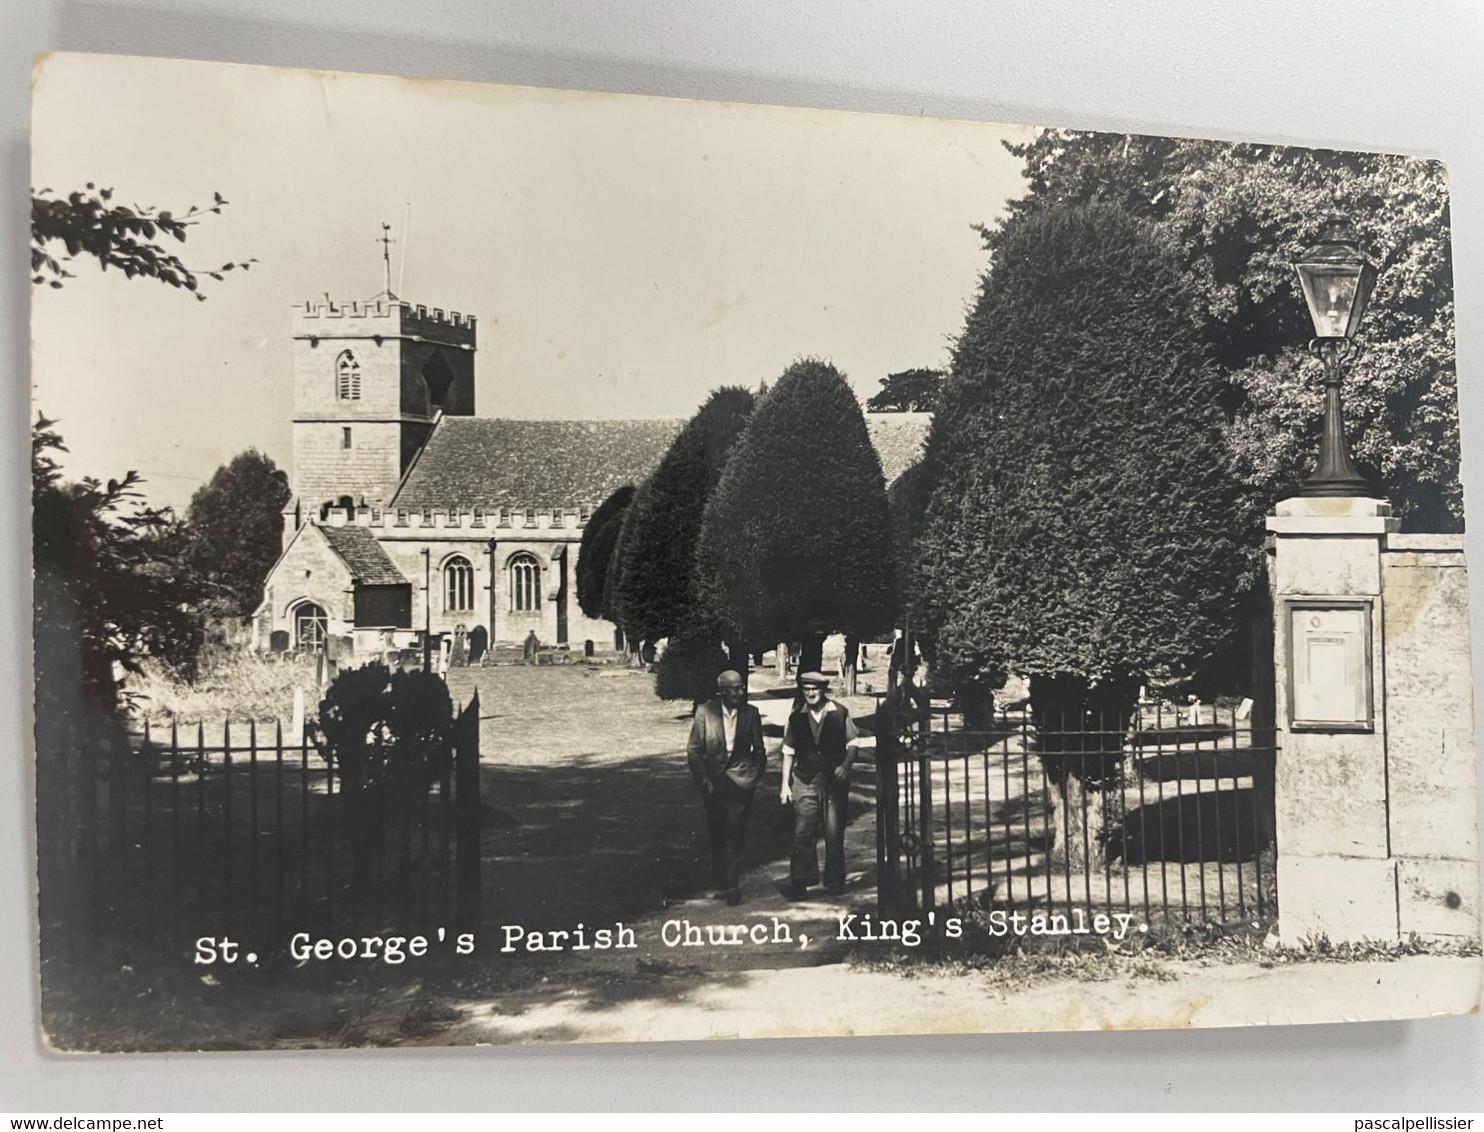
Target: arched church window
pixel 525 583
pixel 347 377
pixel 310 627
pixel 458 585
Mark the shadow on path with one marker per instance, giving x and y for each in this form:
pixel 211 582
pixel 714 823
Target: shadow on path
pixel 596 842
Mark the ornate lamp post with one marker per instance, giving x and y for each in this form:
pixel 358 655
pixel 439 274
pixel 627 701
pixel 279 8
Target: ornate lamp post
pixel 1337 279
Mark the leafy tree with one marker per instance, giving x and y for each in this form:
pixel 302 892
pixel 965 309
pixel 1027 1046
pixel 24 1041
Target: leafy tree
pixel 111 584
pixel 596 549
pixel 796 538
pixel 234 528
pixel 109 575
pixel 910 391
pixel 1080 530
pixel 88 223
pixel 112 587
pixel 1238 214
pixel 655 579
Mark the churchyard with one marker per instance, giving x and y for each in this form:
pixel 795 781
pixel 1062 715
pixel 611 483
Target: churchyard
pixel 1086 497
pixel 588 817
pixel 591 813
pixel 589 820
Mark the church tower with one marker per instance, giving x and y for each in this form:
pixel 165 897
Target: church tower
pixel 370 381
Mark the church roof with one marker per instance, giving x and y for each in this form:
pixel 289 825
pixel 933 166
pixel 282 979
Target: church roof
pixel 367 561
pixel 479 462
pixel 471 462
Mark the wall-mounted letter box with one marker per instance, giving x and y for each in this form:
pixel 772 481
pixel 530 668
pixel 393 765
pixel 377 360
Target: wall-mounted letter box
pixel 1329 665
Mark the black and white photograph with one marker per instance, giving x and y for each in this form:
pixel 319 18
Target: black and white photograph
pixel 529 566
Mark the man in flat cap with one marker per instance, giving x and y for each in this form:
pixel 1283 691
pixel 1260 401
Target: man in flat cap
pixel 727 757
pixel 819 744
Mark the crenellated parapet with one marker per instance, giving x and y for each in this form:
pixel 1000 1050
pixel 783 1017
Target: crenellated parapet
pixel 329 318
pixel 495 522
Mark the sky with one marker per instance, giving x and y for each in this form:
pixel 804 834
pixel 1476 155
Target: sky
pixel 623 255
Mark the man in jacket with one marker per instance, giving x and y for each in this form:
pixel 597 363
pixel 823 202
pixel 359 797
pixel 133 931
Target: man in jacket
pixel 727 756
pixel 819 744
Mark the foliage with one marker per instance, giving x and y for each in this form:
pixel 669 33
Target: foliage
pixel 419 720
pixel 110 576
pixel 611 611
pixel 688 667
pixel 596 550
pixel 389 733
pixel 655 577
pixel 907 500
pixel 88 223
pixel 1081 517
pixel 1238 215
pixel 796 536
pixel 112 586
pixel 910 391
pixel 234 529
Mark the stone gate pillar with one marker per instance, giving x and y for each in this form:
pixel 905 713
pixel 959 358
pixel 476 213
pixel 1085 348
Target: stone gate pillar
pixel 1375 810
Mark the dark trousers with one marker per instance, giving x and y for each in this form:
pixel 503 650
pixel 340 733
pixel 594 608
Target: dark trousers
pixel 727 808
pixel 820 804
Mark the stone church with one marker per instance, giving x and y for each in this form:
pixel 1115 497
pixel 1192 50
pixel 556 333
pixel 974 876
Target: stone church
pixel 415 523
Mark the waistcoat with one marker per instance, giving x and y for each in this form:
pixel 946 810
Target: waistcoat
pixel 810 758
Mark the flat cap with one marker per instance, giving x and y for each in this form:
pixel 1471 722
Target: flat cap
pixel 818 679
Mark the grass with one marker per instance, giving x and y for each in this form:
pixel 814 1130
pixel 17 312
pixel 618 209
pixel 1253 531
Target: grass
pixel 1015 962
pixel 1247 949
pixel 233 684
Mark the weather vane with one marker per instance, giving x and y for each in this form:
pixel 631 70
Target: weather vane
pixel 386 243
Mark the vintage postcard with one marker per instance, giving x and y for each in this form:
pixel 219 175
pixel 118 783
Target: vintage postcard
pixel 521 565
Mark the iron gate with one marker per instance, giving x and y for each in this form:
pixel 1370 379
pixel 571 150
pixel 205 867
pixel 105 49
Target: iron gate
pixel 168 838
pixel 1169 820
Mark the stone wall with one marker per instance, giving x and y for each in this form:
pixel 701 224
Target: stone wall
pixel 311 571
pixel 471 544
pixel 391 343
pixel 1430 755
pixel 488 542
pixel 325 470
pixel 1376 817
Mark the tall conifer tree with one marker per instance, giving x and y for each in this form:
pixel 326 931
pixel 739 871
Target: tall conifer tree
pixel 1082 528
pixel 655 578
pixel 797 538
pixel 595 551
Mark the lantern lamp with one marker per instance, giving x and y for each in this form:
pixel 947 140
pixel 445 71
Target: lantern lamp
pixel 1336 277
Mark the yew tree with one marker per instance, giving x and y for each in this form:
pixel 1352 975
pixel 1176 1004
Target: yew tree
pixel 1081 529
pixel 655 580
pixel 595 551
pixel 796 540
